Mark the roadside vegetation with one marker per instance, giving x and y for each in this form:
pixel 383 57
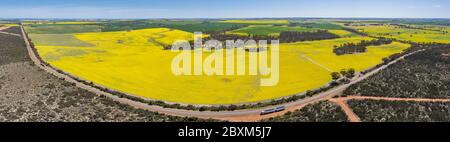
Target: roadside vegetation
pixel 323 111
pixel 318 25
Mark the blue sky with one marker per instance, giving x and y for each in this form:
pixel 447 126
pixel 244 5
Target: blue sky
pixel 224 8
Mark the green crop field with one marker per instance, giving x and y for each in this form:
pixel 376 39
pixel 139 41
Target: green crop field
pixel 58 40
pixel 258 22
pixel 327 26
pixel 189 25
pixel 62 28
pixel 268 30
pixel 406 34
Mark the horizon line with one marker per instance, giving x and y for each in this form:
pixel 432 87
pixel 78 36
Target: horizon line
pixel 49 18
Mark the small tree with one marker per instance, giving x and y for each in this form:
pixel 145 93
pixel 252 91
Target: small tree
pixel 335 75
pixel 343 72
pixel 351 73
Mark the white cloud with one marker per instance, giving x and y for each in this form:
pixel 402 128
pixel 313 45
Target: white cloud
pixel 437 6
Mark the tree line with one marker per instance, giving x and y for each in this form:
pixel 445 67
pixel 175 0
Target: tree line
pixel 352 48
pixel 290 36
pixel 285 37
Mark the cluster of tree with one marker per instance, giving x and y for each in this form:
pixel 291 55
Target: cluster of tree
pixel 314 25
pixel 222 37
pixel 285 37
pixel 356 31
pixel 127 25
pixel 290 36
pixel 352 48
pixel 422 75
pixel 323 111
pixel 343 76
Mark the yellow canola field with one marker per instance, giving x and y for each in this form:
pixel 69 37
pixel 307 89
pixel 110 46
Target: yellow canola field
pixel 343 33
pixel 414 35
pixel 8 25
pixel 134 62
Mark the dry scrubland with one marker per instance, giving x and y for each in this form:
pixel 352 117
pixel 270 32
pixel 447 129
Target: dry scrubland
pixel 399 111
pixel 28 93
pixel 425 75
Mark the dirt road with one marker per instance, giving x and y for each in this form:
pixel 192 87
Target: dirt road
pixel 347 110
pixel 393 99
pixel 1 32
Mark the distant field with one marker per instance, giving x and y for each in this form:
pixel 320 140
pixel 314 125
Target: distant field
pixel 268 30
pixel 61 23
pixel 58 40
pixel 8 25
pixel 258 22
pixel 62 29
pixel 327 26
pixel 343 33
pixel 77 23
pixel 406 34
pixel 321 53
pixel 189 26
pixel 134 62
pixel 204 27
